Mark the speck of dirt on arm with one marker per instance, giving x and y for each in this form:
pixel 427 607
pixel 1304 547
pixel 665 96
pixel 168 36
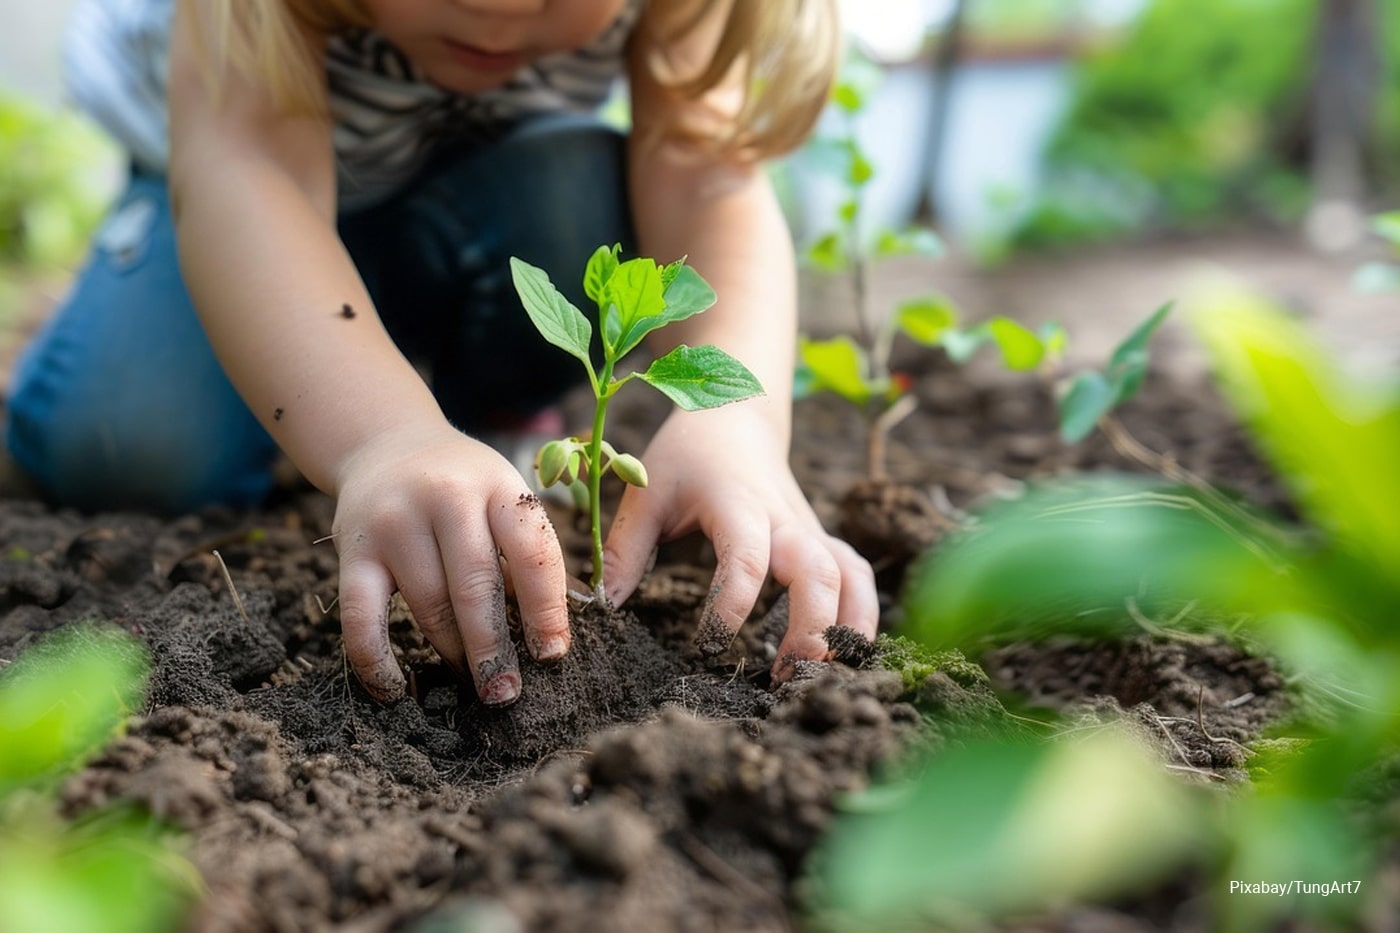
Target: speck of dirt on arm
pixel 278 413
pixel 346 311
pixel 529 500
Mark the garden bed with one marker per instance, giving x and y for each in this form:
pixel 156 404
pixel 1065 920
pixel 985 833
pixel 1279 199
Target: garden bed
pixel 636 785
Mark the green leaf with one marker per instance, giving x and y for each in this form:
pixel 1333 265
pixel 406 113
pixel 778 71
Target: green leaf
pixel 696 378
pixel 670 271
pixel 687 295
pixel 926 320
pixel 637 292
pixel 848 97
pixel 828 253
pixel 1021 349
pixel 1127 367
pixel 1388 226
pixel 847 211
pixel 110 872
pixel 557 320
pixel 962 345
pixel 601 266
pixel 1012 575
pixel 1055 338
pixel 915 241
pixel 998 827
pixel 1334 438
pixel 1089 398
pixel 63 699
pixel 837 365
pixel 861 171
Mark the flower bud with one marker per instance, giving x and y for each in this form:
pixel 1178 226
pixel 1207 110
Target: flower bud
pixel 629 469
pixel 552 461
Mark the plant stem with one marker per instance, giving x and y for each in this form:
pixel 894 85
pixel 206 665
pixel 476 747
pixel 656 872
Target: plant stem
pixel 880 427
pixel 595 476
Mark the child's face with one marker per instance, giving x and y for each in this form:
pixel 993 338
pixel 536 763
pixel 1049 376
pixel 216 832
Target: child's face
pixel 473 45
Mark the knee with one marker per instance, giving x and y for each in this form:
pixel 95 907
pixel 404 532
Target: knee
pixel 85 456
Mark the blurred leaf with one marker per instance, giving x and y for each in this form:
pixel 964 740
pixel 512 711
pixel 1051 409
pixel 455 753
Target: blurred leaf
pixel 848 97
pixel 837 365
pixel 1089 398
pixel 828 253
pixel 861 170
pixel 1055 338
pixel 1388 226
pixel 995 827
pixel 1012 573
pixel 112 873
pixel 962 345
pixel 1334 439
pixel 63 699
pixel 1021 349
pixel 926 320
pixel 916 241
pixel 1127 367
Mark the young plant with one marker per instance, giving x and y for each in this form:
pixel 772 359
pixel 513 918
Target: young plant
pixel 858 370
pixel 1099 556
pixel 634 298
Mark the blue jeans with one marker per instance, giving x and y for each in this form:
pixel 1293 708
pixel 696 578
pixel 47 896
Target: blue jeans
pixel 119 401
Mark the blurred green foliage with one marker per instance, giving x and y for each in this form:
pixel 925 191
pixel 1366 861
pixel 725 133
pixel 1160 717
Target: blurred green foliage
pixel 1093 558
pixel 53 188
pixel 108 871
pixel 1181 124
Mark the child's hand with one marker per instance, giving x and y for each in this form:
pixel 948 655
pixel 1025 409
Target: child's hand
pixel 724 472
pixel 428 510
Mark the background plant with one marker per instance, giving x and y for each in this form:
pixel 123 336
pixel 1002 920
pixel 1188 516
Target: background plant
pixel 111 871
pixel 1184 124
pixel 52 192
pixel 634 298
pixel 1073 558
pixel 858 369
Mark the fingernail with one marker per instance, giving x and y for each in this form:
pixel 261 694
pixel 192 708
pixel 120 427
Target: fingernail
pixel 551 649
pixel 501 689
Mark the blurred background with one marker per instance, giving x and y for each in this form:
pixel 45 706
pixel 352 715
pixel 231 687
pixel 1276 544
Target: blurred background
pixel 1080 158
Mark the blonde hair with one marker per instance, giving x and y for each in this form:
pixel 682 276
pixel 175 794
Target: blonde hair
pixel 782 54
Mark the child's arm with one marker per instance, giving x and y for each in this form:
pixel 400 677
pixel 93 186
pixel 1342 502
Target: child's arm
pixel 725 472
pixel 421 507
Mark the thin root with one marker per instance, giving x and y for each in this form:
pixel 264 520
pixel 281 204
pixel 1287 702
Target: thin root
pixel 228 578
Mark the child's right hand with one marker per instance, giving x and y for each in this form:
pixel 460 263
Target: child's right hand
pixel 430 512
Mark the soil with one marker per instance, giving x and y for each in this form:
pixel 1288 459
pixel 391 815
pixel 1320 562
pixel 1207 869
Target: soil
pixel 655 779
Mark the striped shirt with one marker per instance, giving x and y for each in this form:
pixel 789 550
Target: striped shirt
pixel 387 118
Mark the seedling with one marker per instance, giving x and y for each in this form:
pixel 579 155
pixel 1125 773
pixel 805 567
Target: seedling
pixel 634 298
pixel 858 370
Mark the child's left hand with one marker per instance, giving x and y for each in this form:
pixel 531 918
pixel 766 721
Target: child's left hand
pixel 725 472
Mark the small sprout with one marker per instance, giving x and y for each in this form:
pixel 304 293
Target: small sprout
pixel 552 461
pixel 634 298
pixel 859 370
pixel 629 469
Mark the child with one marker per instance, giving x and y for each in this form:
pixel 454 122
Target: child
pixel 345 181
